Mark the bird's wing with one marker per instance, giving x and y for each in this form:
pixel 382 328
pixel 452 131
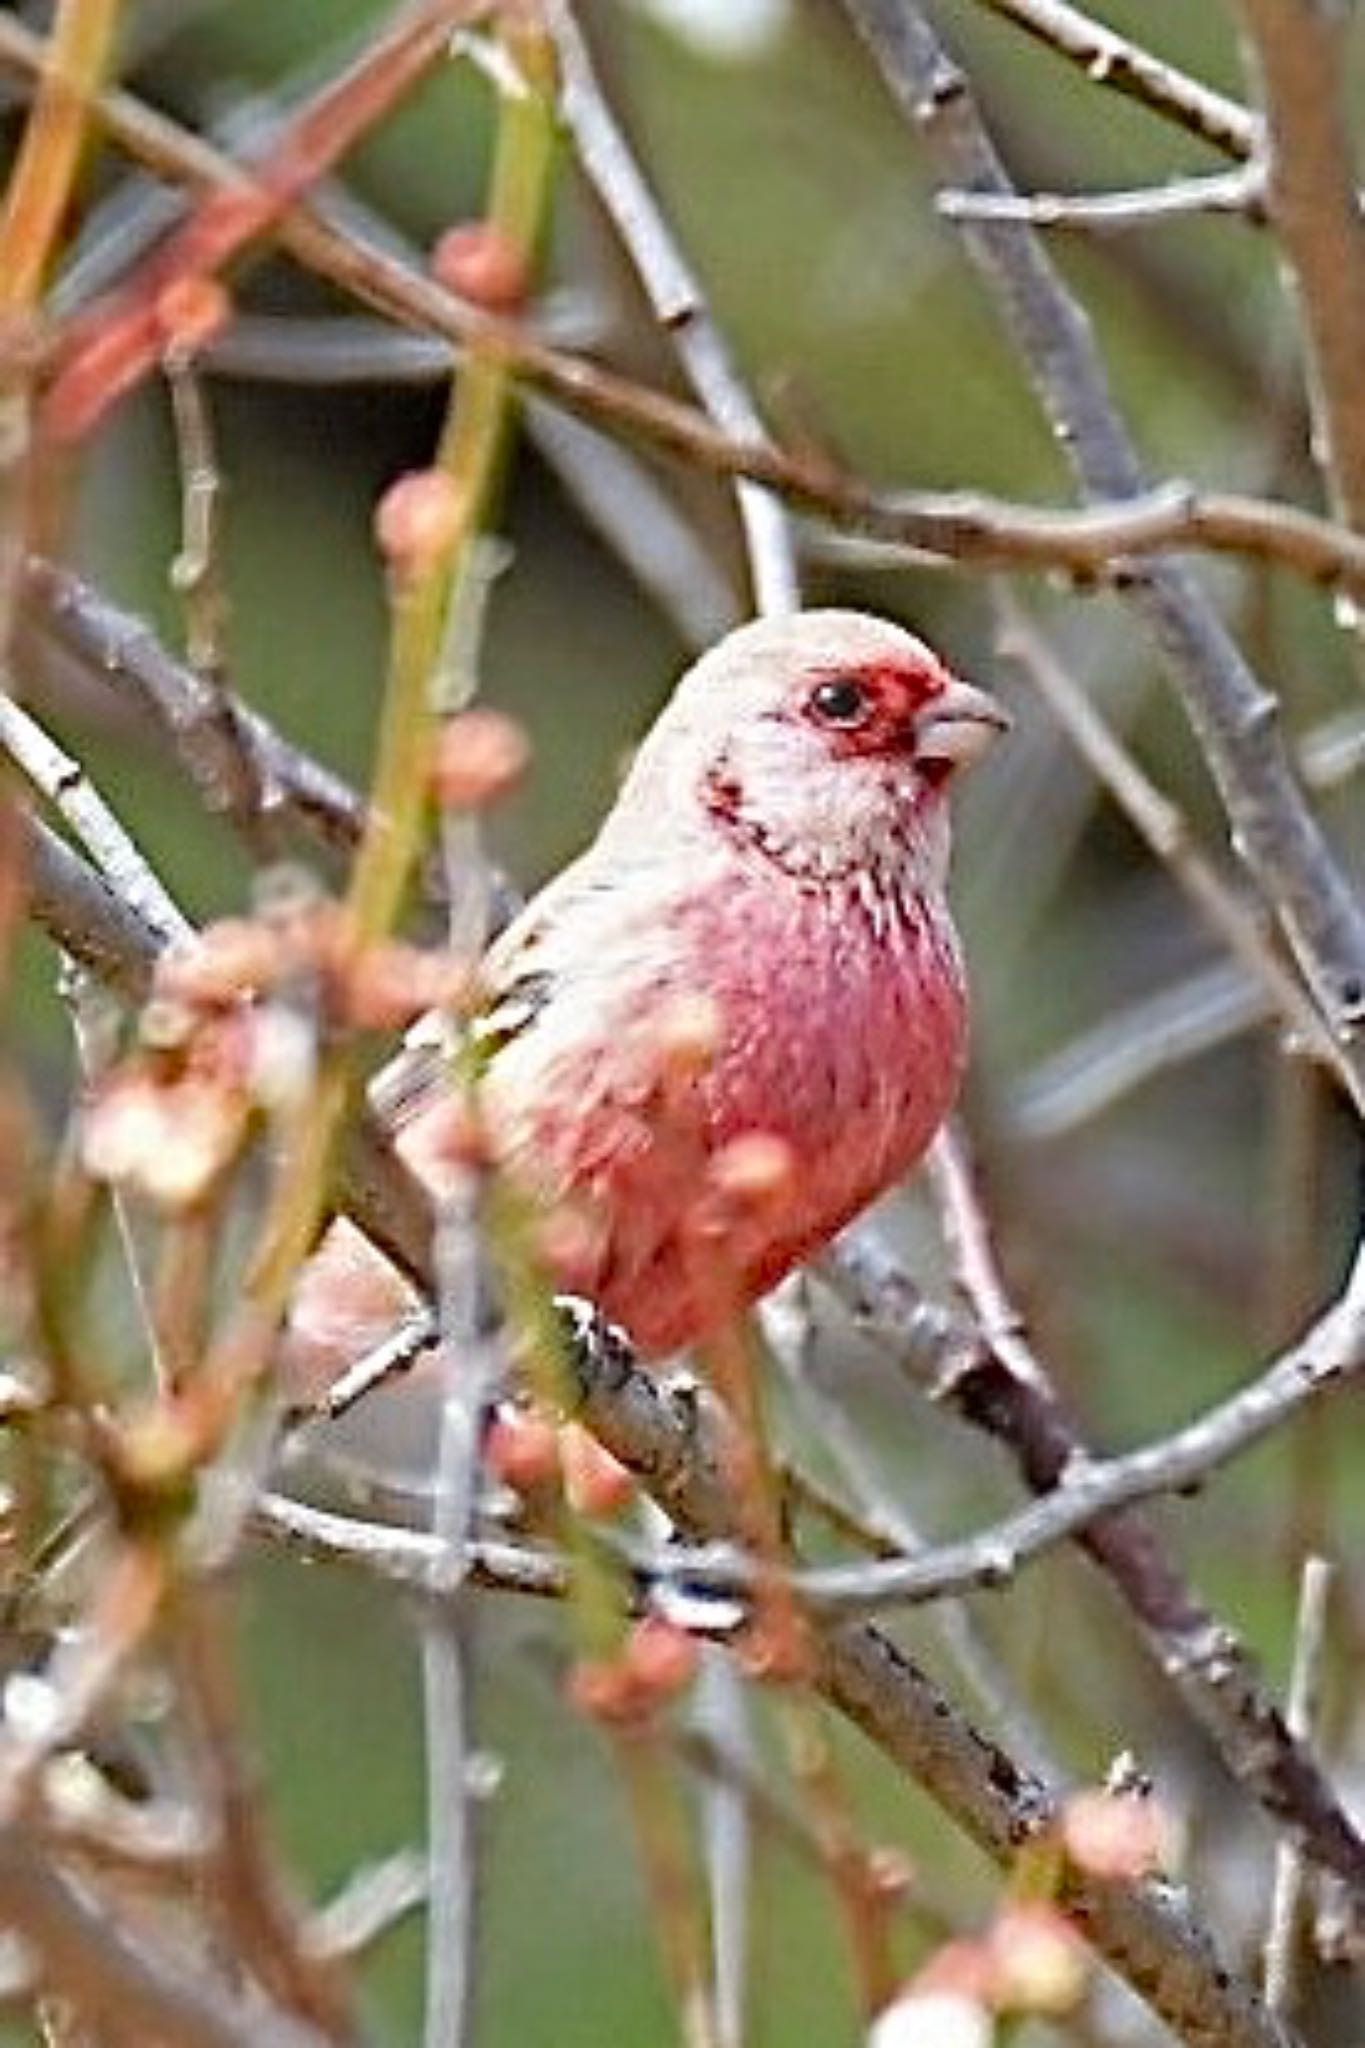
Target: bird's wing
pixel 591 942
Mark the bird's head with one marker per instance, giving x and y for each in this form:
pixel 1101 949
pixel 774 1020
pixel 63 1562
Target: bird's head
pixel 824 740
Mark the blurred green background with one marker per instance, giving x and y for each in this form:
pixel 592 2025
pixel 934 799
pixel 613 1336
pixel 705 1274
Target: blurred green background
pixel 1145 1243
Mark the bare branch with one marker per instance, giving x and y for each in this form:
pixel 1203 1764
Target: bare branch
pixel 1006 1392
pixel 1167 833
pixel 1300 49
pixel 409 1558
pixel 955 527
pixel 1235 192
pixel 1142 1930
pixel 1301 1713
pixel 68 788
pixel 676 298
pixel 1328 1357
pixel 1234 718
pixel 92 1954
pixel 214 732
pixel 1119 65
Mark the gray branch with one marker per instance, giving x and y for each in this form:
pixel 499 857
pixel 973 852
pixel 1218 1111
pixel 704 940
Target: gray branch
pixel 1234 717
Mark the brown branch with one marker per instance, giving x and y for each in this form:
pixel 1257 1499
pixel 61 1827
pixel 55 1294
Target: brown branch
pixel 78 910
pixel 1006 1391
pixel 1141 1930
pixel 223 743
pixel 91 1954
pixel 1301 53
pixel 667 1440
pixel 966 527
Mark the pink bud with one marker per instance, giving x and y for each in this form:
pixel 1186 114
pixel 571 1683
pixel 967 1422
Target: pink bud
pixel 1114 1834
pixel 418 521
pixel 479 262
pixel 481 754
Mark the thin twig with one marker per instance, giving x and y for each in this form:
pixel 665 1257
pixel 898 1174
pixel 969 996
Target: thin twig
pixel 1167 833
pixel 94 1955
pixel 373 1901
pixel 411 1559
pixel 676 298
pixel 882 1514
pixel 67 787
pixel 107 350
pixel 969 528
pixel 1301 49
pixel 1331 1355
pixel 1197 1651
pixel 1280 1967
pixel 1123 66
pixel 1235 719
pixel 44 173
pixel 1236 192
pixel 669 1439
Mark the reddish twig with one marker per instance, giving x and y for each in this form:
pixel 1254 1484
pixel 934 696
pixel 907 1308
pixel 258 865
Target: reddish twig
pixel 109 349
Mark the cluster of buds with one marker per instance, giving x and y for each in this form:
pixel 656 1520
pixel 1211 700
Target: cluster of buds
pixel 657 1661
pixel 1030 1960
pixel 538 1456
pixel 303 941
pixel 226 1035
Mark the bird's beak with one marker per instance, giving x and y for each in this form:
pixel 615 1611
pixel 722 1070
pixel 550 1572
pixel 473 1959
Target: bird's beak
pixel 959 725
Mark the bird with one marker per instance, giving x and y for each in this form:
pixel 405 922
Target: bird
pixel 753 962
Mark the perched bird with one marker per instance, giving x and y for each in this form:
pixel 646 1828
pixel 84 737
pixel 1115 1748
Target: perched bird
pixel 756 945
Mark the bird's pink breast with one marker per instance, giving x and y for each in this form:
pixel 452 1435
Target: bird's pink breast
pixel 842 1020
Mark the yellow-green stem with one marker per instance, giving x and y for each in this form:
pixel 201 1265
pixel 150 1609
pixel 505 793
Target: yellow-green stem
pixel 44 174
pixel 469 453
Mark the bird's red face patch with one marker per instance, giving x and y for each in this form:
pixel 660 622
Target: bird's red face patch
pixel 868 710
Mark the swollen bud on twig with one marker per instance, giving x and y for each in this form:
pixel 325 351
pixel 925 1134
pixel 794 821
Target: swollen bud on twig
pixel 1116 1835
pixel 388 987
pixel 521 1448
pixel 596 1484
pixel 480 263
pixel 1038 1962
pixel 480 755
pixel 231 959
pixel 418 520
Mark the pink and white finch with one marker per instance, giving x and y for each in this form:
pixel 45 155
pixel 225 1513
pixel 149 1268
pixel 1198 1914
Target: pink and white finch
pixel 757 943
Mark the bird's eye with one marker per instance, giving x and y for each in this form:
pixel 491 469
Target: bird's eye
pixel 842 701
